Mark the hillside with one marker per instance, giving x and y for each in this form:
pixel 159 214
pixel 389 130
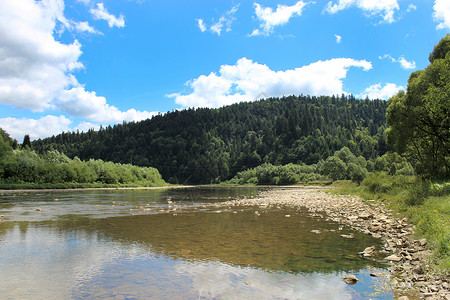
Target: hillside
pixel 209 145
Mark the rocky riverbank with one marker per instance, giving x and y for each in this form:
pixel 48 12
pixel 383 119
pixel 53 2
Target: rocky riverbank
pixel 408 256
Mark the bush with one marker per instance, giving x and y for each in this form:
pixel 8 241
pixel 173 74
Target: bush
pixel 418 192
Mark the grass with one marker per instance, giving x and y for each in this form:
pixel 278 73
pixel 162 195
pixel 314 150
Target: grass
pixel 426 204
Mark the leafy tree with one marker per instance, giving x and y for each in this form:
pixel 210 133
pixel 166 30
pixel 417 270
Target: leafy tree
pixel 419 120
pixel 356 172
pixel 335 168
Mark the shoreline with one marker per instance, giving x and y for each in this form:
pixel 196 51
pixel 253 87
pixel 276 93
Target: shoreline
pixel 408 256
pixel 19 191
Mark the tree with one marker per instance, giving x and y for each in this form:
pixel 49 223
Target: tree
pixel 26 141
pixel 335 168
pixel 419 120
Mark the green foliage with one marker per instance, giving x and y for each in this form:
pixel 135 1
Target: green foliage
pixel 267 174
pixel 418 192
pixel 335 168
pixel 356 172
pixel 393 164
pixel 345 165
pixel 211 145
pixel 25 167
pixel 419 120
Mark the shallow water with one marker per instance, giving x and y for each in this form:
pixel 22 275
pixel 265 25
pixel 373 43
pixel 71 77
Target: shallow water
pixel 173 244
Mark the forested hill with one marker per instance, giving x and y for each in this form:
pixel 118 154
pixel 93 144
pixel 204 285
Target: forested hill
pixel 207 145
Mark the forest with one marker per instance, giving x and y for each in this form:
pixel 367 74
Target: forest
pixel 203 145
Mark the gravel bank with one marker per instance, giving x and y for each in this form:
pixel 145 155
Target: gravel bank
pixel 409 257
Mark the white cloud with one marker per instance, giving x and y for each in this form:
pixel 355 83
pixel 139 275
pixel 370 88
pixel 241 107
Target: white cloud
pixel 407 65
pixel 247 80
pixel 377 91
pixel 224 22
pixel 270 19
pixel 33 65
pixel 201 25
pixel 101 13
pixel 442 14
pixel 37 71
pixel 411 7
pixel 338 38
pixel 81 103
pixel 384 8
pixel 85 27
pixel 86 126
pixel 36 128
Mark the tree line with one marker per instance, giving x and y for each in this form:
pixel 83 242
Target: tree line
pixel 20 167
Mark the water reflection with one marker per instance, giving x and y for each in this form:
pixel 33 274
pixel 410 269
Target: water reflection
pixel 199 252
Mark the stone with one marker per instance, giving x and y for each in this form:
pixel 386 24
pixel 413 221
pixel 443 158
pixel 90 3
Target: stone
pixel 38 209
pixel 348 236
pixel 403 298
pixel 423 242
pixel 418 270
pixel 368 251
pixel 378 274
pixel 433 288
pixel 365 216
pixel 393 257
pixel 351 279
pixel 316 231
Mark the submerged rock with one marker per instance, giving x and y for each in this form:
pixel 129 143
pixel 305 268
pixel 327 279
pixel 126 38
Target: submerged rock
pixel 348 236
pixel 350 279
pixel 368 251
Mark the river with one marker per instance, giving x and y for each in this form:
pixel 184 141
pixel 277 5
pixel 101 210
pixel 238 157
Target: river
pixel 177 244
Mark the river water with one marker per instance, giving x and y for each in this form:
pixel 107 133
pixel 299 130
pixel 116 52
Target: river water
pixel 176 244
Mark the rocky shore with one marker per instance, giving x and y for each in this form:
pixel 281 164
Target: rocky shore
pixel 408 256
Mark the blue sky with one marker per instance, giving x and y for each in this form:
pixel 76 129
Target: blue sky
pixel 69 65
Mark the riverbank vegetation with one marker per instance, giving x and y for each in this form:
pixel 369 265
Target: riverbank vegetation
pixel 21 167
pixel 426 204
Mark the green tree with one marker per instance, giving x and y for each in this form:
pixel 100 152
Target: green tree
pixel 335 168
pixel 26 141
pixel 419 120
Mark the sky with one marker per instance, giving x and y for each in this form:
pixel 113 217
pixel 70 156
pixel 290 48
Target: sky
pixel 68 65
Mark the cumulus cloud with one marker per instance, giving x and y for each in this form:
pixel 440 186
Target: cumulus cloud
pixel 383 8
pixel 377 91
pixel 101 13
pixel 338 38
pixel 36 128
pixel 442 14
pixel 33 65
pixel 247 80
pixel 223 24
pixel 405 64
pixel 269 19
pixel 37 71
pixel 81 103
